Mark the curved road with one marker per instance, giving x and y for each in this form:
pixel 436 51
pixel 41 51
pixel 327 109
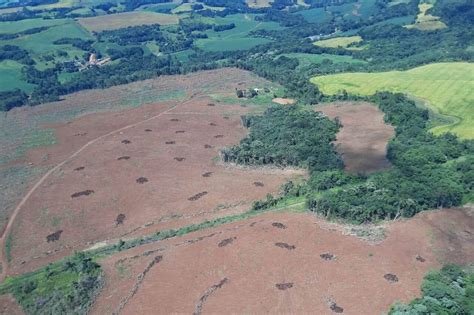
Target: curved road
pixel 6 232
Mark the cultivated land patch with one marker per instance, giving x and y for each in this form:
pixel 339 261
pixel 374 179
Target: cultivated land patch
pixel 341 42
pixel 362 141
pixel 426 22
pixel 238 38
pixel 263 277
pixel 159 186
pixel 446 88
pixel 28 134
pixel 121 20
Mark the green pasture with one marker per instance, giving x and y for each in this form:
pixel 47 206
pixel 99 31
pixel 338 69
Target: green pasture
pixel 342 42
pixel 23 25
pixel 446 88
pixel 316 15
pixel 237 38
pixel 11 78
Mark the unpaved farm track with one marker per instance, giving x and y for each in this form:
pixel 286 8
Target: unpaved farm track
pixel 264 278
pixel 96 194
pixel 6 231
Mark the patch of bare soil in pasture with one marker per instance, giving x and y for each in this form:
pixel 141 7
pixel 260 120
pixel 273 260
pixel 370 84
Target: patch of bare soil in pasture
pixel 363 139
pixel 283 101
pixel 366 278
pixel 153 185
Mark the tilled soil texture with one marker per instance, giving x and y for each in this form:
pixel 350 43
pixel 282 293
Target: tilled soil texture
pixel 263 278
pixel 26 153
pixel 154 185
pixel 9 306
pixel 363 139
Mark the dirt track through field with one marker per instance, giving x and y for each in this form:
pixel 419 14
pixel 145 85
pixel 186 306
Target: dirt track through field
pixel 6 231
pixel 361 277
pixel 362 140
pixel 158 186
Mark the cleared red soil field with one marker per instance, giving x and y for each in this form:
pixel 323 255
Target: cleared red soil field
pixel 9 306
pixel 79 118
pixel 363 139
pixel 285 263
pixel 155 175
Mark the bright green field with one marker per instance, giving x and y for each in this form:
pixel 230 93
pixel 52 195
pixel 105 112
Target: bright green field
pixel 23 25
pixel 237 38
pixel 10 77
pixel 447 88
pixel 41 43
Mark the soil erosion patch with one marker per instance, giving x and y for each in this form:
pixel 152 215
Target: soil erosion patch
pixel 363 139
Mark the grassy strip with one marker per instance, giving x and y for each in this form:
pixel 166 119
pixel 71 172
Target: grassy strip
pixel 8 248
pixel 70 285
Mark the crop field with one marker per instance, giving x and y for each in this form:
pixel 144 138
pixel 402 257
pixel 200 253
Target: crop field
pixel 427 22
pixel 362 141
pixel 444 87
pixel 237 38
pixel 120 20
pixel 282 262
pixel 342 42
pixel 176 146
pixel 309 59
pixel 362 8
pixel 42 43
pixel 23 25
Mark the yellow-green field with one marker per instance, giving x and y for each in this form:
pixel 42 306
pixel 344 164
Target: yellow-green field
pixel 342 42
pixel 259 3
pixel 447 88
pixel 120 20
pixel 426 22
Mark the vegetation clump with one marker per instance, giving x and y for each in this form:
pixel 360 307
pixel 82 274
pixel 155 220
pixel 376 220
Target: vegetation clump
pixel 288 136
pixel 447 291
pixel 65 287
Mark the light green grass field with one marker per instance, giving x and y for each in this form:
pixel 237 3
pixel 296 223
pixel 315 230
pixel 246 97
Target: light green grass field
pixel 42 43
pixel 237 38
pixel 120 20
pixel 316 15
pixel 336 42
pixel 445 87
pixel 23 25
pixel 10 77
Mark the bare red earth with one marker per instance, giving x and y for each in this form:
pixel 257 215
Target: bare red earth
pixel 9 306
pixel 85 204
pixel 264 278
pixel 363 139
